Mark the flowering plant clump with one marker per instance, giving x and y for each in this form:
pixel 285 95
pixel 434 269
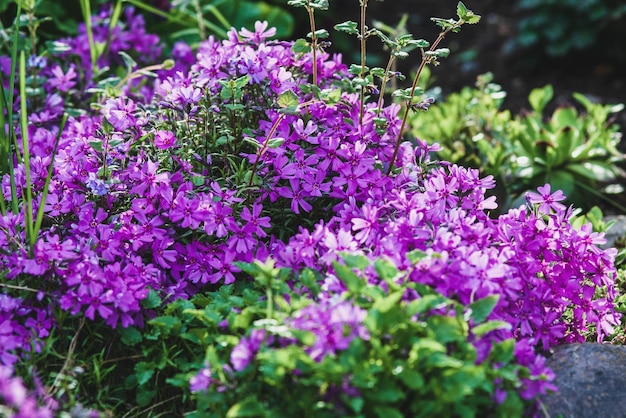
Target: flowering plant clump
pixel 266 159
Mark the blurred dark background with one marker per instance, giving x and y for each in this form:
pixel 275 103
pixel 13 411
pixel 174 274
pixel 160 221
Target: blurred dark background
pixel 575 45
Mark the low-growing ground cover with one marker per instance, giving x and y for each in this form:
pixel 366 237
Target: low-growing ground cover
pixel 246 229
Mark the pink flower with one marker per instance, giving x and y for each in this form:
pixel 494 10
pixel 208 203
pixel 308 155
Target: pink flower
pixel 164 139
pixel 260 32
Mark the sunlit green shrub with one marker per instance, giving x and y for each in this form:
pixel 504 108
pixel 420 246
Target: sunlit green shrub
pixel 573 151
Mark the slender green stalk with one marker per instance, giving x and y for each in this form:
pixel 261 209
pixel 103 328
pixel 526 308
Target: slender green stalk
pixel 310 10
pixel 383 84
pixel 12 138
pixel 44 194
pixel 362 37
pixel 218 15
pixel 85 6
pixel 172 18
pixel 115 17
pixel 28 198
pixel 5 156
pixel 200 19
pixel 407 108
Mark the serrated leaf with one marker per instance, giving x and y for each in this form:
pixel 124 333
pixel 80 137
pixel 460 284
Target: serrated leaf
pixel 320 34
pixel 461 11
pixel 144 371
pixel 348 27
pixel 301 46
pixel 287 99
pixel 130 335
pixel 152 300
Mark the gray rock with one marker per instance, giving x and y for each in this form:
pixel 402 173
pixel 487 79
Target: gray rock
pixel 616 231
pixel 591 380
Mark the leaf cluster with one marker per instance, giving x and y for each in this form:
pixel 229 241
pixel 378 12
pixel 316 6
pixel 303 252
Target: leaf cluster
pixel 573 150
pixel 418 358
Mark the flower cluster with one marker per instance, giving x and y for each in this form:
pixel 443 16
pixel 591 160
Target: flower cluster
pixel 16 401
pixel 232 156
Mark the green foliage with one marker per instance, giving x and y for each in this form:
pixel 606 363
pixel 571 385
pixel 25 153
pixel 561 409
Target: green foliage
pixel 573 151
pixel 562 27
pixel 188 20
pixel 416 361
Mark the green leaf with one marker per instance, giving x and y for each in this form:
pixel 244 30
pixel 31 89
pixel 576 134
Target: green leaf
pixel 353 282
pixel 348 27
pixel 130 335
pixel 461 11
pixel 355 261
pixel 128 61
pixel 320 34
pixel 144 371
pixel 482 329
pixel 411 378
pixel 388 303
pixel 166 323
pixel 301 46
pixel 540 97
pixel 152 300
pixel 483 307
pixel 249 407
pixel 387 412
pixel 503 351
pixel 386 269
pixel 425 304
pixel 275 142
pixel 447 329
pixel 386 392
pixel 287 99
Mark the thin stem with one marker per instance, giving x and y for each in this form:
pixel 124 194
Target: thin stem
pixel 28 207
pixel 383 84
pixel 170 17
pixel 265 145
pixel 44 194
pixel 270 135
pixel 270 302
pixel 407 109
pixel 85 6
pixel 313 42
pixel 362 37
pixel 200 19
pixel 9 106
pixel 68 358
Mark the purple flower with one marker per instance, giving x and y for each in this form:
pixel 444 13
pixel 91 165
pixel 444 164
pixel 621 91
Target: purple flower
pixel 260 33
pixel 164 139
pixel 243 353
pixel 545 200
pixel 62 81
pixel 201 381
